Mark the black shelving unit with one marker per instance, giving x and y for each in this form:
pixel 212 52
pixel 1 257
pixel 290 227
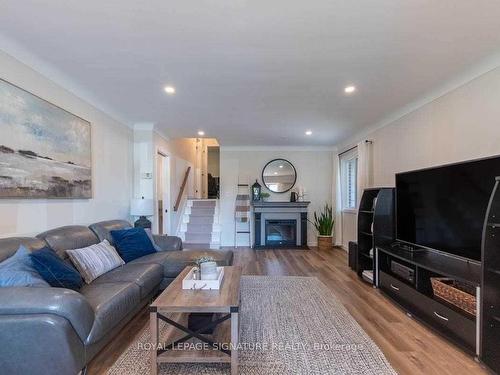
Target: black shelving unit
pixel 490 281
pixel 375 226
pixel 366 249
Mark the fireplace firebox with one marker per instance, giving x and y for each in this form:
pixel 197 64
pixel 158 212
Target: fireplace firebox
pixel 281 232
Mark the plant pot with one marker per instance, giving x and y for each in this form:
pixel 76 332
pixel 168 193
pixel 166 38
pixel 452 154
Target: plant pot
pixel 209 271
pixel 325 242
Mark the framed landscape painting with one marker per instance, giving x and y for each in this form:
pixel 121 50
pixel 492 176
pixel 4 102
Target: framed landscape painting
pixel 45 151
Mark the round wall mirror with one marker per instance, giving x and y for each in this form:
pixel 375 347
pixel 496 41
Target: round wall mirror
pixel 279 175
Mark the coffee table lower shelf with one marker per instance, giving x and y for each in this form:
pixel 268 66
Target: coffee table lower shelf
pixel 194 356
pixel 227 333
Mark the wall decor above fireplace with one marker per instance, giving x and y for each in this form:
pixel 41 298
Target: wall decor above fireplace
pixel 279 175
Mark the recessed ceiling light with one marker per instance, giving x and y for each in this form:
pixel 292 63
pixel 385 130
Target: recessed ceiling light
pixel 309 132
pixel 201 132
pixel 350 89
pixel 170 90
pixel 275 172
pixel 281 166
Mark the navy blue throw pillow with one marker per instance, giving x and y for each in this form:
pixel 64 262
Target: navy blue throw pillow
pixel 132 243
pixel 54 270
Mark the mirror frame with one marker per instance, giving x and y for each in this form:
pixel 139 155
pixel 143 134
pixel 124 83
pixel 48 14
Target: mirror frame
pixel 294 180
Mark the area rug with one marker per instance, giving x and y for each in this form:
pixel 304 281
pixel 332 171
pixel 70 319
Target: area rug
pixel 289 325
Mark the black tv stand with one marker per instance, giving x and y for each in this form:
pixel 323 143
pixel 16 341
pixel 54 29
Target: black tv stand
pixel 407 247
pixel 417 298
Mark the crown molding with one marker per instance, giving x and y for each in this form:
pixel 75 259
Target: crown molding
pixel 161 134
pixel 144 126
pixel 478 70
pixel 278 148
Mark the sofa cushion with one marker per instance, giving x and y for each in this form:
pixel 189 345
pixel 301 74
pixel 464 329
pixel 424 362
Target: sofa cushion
pixel 9 246
pixel 65 303
pixel 103 229
pixel 95 260
pixel 156 258
pixel 174 262
pixel 111 302
pixel 55 271
pixel 18 270
pixel 68 237
pixel 132 243
pixel 146 276
pixel 167 243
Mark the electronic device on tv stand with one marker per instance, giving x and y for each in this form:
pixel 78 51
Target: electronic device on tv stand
pixel 407 247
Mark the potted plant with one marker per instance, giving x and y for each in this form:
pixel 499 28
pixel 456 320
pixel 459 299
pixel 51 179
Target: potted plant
pixel 323 222
pixel 264 195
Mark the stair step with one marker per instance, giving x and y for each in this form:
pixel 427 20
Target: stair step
pixel 195 233
pixel 199 228
pixel 202 211
pixel 198 237
pixel 191 245
pixel 200 220
pixel 204 204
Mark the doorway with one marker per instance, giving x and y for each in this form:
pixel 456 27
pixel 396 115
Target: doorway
pixel 163 193
pixel 213 168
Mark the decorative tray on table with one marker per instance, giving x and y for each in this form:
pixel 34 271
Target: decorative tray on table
pixel 189 282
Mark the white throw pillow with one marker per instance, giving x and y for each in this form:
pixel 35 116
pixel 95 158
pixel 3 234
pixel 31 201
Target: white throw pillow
pixel 95 260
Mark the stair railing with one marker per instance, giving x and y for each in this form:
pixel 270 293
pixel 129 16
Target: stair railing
pixel 181 191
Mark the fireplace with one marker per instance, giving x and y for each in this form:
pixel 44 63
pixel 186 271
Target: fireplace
pixel 281 233
pixel 280 224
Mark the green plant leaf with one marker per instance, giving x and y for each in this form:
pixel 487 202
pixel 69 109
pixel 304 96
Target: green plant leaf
pixel 323 221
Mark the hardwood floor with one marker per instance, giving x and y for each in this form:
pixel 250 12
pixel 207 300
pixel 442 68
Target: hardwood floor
pixel 410 347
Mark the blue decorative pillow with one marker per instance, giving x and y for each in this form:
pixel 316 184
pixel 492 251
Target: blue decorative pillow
pixel 152 239
pixel 132 243
pixel 55 271
pixel 18 270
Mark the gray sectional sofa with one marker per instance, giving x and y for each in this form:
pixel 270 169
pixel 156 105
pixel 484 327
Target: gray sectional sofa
pixel 57 330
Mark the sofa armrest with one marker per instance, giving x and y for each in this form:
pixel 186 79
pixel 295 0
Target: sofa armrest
pixel 168 243
pixel 64 303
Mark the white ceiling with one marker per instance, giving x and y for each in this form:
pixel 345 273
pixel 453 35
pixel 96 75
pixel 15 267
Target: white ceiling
pixel 257 72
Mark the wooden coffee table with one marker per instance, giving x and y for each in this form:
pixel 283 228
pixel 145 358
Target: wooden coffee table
pixel 174 305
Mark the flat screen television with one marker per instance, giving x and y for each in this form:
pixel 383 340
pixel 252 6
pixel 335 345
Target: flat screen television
pixel 443 208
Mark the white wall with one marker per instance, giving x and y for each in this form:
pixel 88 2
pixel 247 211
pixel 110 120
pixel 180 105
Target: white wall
pixel 112 164
pixel 181 154
pixel 144 154
pixel 461 125
pixel 244 165
pixel 349 228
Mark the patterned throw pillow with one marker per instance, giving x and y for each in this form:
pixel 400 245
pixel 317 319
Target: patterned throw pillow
pixel 95 260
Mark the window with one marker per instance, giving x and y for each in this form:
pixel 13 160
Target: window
pixel 349 179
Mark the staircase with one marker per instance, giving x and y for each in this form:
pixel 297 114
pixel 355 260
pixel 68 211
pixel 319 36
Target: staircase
pixel 200 227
